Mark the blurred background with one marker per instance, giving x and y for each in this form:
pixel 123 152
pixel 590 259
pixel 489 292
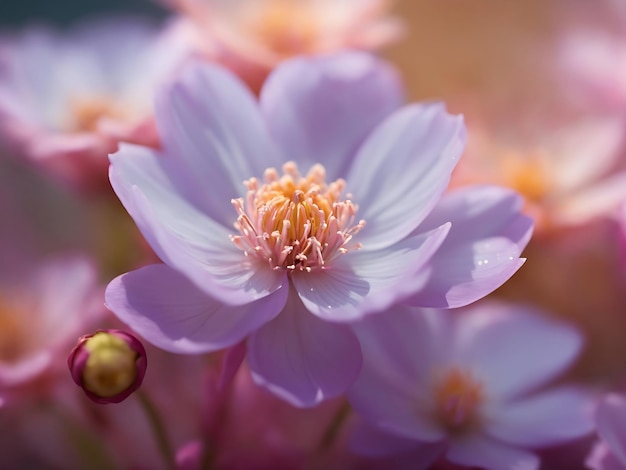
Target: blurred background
pixel 479 48
pixel 15 13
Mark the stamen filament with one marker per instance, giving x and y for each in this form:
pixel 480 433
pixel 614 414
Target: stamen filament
pixel 295 222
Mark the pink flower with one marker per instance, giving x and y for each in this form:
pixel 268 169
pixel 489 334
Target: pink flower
pixel 610 452
pixel 287 260
pixel 567 174
pixel 42 311
pixel 593 65
pixel 66 100
pixel 470 385
pixel 253 36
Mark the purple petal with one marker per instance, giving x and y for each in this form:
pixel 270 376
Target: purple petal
pixel 321 109
pixel 399 349
pixel 211 124
pixel 402 169
pixel 363 282
pixel 12 374
pixel 168 310
pixel 164 182
pixel 531 348
pixel 303 359
pixel 601 458
pixel 547 418
pixel 372 442
pixel 480 451
pixel 482 251
pixel 611 424
pixel 184 238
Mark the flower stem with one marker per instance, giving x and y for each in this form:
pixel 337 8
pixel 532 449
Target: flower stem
pixel 88 445
pixel 329 436
pixel 158 428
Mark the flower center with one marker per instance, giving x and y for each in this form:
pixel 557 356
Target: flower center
pixel 285 26
pixel 85 113
pixel 527 175
pixel 294 222
pixel 458 396
pixel 13 341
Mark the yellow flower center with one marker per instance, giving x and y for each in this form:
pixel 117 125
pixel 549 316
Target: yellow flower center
pixel 294 222
pixel 13 340
pixel 111 367
pixel 85 113
pixel 458 397
pixel 287 27
pixel 527 175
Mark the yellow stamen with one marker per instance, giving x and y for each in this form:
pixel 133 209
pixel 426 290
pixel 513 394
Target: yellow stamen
pixel 295 222
pixel 87 112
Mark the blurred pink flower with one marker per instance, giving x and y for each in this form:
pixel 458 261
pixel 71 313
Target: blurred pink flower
pixel 593 66
pixel 67 99
pixel 567 175
pixel 287 261
pixel 42 312
pixel 252 36
pixel 467 384
pixel 610 452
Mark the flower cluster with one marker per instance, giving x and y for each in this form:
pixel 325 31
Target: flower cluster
pixel 319 272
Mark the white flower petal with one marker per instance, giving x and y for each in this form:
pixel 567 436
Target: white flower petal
pixel 369 281
pixel 531 348
pixel 303 359
pixel 402 170
pixel 392 393
pixel 168 310
pixel 482 250
pixel 210 122
pixel 543 419
pixel 321 109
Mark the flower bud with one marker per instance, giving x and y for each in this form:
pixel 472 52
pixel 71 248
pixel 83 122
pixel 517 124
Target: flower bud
pixel 108 365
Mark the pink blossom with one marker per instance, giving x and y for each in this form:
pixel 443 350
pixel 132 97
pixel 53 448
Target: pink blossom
pixel 67 99
pixel 568 174
pixel 42 312
pixel 610 452
pixel 253 36
pixel 470 385
pixel 593 66
pixel 287 260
